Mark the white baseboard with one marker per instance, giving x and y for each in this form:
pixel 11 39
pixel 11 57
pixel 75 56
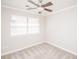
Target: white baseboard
pixel 62 48
pixel 21 48
pixel 38 44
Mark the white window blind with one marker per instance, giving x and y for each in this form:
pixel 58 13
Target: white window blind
pixel 18 25
pixel 21 25
pixel 33 25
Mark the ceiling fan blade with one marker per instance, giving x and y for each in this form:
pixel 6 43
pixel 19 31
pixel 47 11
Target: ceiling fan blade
pixel 33 3
pixel 31 8
pixel 47 4
pixel 49 10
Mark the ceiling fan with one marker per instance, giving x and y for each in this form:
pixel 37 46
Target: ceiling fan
pixel 39 5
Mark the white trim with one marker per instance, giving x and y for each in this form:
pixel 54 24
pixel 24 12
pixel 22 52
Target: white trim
pixel 62 48
pixel 66 8
pixel 19 9
pixel 38 44
pixel 62 10
pixel 54 12
pixel 5 6
pixel 9 52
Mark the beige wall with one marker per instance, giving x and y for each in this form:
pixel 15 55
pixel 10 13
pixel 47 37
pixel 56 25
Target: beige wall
pixel 11 43
pixel 62 29
pixel 59 29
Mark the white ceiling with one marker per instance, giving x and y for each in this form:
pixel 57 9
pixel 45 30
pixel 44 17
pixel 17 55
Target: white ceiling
pixel 20 4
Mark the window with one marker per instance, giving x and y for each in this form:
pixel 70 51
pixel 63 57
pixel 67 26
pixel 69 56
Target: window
pixel 24 25
pixel 33 25
pixel 18 25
